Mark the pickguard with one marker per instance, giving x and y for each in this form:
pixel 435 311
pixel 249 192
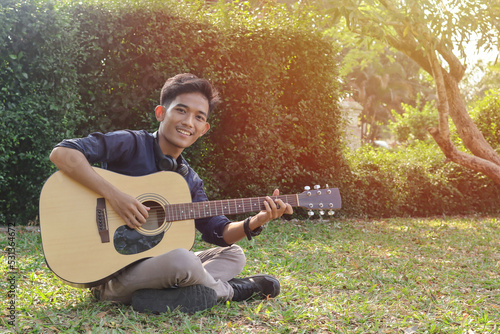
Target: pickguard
pixel 128 241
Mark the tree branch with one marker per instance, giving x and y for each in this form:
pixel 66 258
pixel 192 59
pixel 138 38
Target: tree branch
pixel 457 70
pixel 443 105
pixel 475 163
pixel 410 48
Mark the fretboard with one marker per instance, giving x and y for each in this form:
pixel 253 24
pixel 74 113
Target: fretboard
pixel 175 212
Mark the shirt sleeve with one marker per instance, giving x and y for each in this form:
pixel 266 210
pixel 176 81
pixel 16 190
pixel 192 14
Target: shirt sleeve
pixel 211 228
pixel 95 146
pixel 125 152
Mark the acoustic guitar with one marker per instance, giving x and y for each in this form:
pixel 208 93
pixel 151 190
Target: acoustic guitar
pixel 86 243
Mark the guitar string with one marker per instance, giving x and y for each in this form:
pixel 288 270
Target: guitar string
pixel 196 210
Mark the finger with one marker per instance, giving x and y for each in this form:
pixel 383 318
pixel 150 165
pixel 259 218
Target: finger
pixel 143 210
pixel 272 204
pixel 276 193
pixel 135 218
pixel 130 223
pixel 280 206
pixel 268 210
pixel 267 207
pixel 289 209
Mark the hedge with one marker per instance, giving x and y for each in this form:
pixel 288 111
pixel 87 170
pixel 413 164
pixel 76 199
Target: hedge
pixel 415 181
pixel 39 57
pixel 67 69
pixel 90 66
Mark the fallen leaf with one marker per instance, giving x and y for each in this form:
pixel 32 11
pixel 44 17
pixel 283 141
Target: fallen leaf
pixel 411 330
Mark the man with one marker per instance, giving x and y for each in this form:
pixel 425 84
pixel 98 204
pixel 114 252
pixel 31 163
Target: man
pixel 179 278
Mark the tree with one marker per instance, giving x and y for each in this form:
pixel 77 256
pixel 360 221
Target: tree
pixel 384 85
pixel 380 78
pixel 430 32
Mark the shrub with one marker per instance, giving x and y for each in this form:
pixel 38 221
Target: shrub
pixel 415 181
pixel 38 55
pixel 413 124
pixel 486 114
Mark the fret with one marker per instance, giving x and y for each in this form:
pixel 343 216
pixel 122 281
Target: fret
pixel 167 213
pixel 255 204
pixel 172 212
pixel 195 210
pixel 191 210
pixel 239 205
pixel 223 206
pixel 176 212
pixel 200 209
pixel 180 211
pixel 206 208
pixel 232 206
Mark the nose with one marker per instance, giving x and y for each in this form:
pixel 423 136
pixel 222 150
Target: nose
pixel 188 120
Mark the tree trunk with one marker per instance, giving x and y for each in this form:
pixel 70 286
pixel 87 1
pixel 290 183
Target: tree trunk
pixel 451 104
pixel 484 158
pixel 467 130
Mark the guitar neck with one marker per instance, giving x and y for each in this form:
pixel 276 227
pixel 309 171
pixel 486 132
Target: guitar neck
pixel 184 211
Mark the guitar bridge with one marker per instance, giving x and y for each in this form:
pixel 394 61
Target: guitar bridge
pixel 102 220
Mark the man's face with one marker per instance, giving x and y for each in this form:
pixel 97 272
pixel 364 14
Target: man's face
pixel 182 122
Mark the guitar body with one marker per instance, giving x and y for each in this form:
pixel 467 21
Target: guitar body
pixel 85 242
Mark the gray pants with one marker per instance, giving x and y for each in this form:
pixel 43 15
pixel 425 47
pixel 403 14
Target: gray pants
pixel 179 268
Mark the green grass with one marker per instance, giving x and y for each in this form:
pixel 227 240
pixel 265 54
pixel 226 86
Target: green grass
pixel 439 275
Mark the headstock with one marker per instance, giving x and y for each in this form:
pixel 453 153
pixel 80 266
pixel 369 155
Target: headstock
pixel 320 199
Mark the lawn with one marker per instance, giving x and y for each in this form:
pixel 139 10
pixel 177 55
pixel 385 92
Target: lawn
pixel 432 275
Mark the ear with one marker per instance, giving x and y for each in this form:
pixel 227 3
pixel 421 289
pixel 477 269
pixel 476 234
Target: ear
pixel 207 127
pixel 160 113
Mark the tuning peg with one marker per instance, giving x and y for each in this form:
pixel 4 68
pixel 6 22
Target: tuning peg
pixel 322 212
pixel 331 212
pixel 317 186
pixel 307 188
pixel 326 186
pixel 310 213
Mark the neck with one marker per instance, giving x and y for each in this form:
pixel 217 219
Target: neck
pixel 167 148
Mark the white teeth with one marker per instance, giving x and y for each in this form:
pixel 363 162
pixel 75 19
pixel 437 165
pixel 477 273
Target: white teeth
pixel 184 132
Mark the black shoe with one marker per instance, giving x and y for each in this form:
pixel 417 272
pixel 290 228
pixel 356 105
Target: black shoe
pixel 255 287
pixel 189 299
pixel 97 292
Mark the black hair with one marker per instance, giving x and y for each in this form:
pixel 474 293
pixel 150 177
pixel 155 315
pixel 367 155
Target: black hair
pixel 188 83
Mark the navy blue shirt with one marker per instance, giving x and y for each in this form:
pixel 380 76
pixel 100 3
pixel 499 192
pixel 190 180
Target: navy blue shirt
pixel 132 153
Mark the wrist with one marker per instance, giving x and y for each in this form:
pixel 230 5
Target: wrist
pixel 249 231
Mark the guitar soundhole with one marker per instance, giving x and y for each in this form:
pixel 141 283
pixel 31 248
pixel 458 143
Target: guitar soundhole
pixel 128 241
pixel 156 216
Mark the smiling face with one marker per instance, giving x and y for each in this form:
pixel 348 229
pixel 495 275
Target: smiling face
pixel 182 122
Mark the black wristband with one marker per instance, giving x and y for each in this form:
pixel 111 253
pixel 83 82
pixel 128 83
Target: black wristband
pixel 249 233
